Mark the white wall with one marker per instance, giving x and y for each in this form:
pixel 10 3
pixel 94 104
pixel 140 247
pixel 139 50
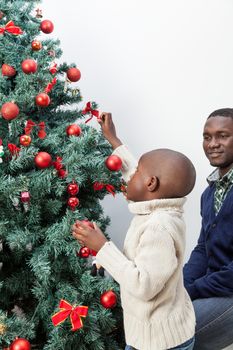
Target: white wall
pixel 160 66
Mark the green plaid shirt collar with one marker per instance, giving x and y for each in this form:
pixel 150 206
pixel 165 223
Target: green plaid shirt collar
pixel 223 186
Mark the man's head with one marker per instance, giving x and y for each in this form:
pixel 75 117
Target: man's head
pixel 161 173
pixel 218 139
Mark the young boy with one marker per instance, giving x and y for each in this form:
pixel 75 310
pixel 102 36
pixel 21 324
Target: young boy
pixel 158 313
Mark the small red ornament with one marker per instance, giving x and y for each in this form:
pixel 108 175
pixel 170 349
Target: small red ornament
pixel 46 26
pixel 84 252
pixel 20 344
pixel 108 299
pixel 43 160
pixel 62 173
pixel 29 66
pixel 25 140
pixel 73 188
pixel 73 202
pixel 42 99
pixel 87 223
pixel 9 110
pixel 25 197
pixel 36 45
pixel 113 163
pixel 8 70
pixel 53 68
pixel 73 74
pixel 73 130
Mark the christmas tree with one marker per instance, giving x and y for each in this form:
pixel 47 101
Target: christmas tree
pixel 52 172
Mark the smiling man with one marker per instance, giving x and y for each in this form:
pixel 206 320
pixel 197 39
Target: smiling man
pixel 208 275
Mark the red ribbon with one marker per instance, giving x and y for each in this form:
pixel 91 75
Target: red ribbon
pixel 89 110
pixel 30 125
pixel 75 314
pixel 11 28
pixel 99 186
pixel 50 85
pixel 13 149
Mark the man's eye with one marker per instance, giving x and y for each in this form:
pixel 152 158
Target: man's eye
pixel 206 138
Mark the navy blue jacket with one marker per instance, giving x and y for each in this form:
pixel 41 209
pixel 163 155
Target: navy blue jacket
pixel 209 271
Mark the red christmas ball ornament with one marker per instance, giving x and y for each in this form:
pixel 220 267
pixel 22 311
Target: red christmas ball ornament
pixel 73 74
pixel 29 66
pixel 20 344
pixel 25 197
pixel 87 223
pixel 9 110
pixel 108 299
pixel 62 173
pixel 25 140
pixel 8 70
pixel 43 160
pixel 93 252
pixel 84 252
pixel 113 163
pixel 46 26
pixel 73 202
pixel 73 130
pixel 36 45
pixel 42 99
pixel 73 188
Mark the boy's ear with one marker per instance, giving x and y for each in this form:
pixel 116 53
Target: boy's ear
pixel 152 184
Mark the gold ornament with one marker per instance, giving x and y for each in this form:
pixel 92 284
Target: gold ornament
pixel 75 92
pixel 2 328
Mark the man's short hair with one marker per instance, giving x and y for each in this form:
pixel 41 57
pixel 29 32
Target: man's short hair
pixel 223 112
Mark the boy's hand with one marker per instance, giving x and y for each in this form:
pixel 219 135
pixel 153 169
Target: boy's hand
pixel 109 130
pixel 92 238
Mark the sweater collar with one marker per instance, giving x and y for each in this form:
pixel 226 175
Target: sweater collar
pixel 147 207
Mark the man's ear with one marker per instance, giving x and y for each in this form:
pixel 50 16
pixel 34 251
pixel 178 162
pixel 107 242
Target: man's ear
pixel 152 184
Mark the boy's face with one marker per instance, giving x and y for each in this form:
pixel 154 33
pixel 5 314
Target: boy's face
pixel 137 185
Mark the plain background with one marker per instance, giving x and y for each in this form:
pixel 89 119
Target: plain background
pixel 161 67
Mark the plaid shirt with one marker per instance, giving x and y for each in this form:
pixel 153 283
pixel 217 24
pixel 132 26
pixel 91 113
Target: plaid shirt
pixel 223 186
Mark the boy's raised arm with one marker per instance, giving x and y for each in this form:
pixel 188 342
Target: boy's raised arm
pixel 109 130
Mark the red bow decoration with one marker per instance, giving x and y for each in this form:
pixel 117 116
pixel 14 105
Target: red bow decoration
pixel 75 314
pixel 89 110
pixel 30 125
pixel 50 85
pixel 11 28
pixel 13 149
pixel 99 186
pixel 53 68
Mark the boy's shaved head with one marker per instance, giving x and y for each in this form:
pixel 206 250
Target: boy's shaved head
pixel 175 172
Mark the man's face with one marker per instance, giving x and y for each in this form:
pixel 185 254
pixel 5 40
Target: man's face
pixel 218 142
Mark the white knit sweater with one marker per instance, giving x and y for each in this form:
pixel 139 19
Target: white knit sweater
pixel 158 313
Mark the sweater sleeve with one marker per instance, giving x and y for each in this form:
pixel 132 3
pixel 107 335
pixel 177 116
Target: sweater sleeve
pixel 215 284
pixel 154 263
pixel 129 163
